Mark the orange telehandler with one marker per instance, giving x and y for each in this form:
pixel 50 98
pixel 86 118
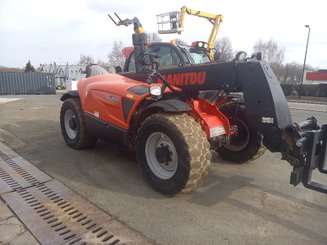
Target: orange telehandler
pixel 154 106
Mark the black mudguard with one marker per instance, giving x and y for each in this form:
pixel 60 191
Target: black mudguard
pixel 69 94
pixel 170 105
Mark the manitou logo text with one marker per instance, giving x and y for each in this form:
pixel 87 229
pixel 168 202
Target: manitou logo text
pixel 187 78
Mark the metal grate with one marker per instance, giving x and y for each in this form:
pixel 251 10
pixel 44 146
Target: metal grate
pixel 111 232
pixel 56 215
pixel 16 172
pixel 53 212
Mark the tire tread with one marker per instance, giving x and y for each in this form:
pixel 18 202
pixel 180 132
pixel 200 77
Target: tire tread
pixel 84 139
pixel 195 142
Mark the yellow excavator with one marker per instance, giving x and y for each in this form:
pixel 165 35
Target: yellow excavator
pixel 173 22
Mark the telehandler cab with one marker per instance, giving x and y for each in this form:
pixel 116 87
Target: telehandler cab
pixel 162 106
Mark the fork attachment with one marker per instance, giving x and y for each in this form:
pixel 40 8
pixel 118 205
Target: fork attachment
pixel 310 152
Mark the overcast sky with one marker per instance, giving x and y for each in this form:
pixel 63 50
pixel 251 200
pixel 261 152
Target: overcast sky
pixel 45 31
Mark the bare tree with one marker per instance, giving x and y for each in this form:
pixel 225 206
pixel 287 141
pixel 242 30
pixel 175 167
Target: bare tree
pixel 153 37
pixel 86 60
pixel 279 70
pixel 102 63
pixel 309 67
pixel 116 57
pixel 272 53
pixel 270 50
pixel 224 47
pixel 293 72
pixel 180 42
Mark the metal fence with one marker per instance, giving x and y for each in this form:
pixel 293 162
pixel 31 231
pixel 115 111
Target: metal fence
pixel 27 83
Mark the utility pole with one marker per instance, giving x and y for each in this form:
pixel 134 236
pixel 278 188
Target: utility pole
pixel 305 58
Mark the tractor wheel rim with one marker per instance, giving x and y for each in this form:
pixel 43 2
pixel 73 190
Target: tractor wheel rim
pixel 71 131
pixel 163 170
pixel 241 139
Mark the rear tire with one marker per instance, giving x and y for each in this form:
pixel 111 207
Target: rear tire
pixel 173 153
pixel 247 143
pixel 73 125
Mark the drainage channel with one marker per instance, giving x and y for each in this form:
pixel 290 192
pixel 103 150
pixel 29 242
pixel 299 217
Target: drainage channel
pixel 52 212
pixel 16 172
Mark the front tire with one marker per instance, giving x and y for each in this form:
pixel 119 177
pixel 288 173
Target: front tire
pixel 173 153
pixel 246 144
pixel 73 126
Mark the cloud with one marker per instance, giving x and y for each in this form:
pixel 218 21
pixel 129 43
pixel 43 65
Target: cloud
pixel 120 7
pixel 48 30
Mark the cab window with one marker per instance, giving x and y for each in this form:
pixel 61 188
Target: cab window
pixel 167 56
pixel 131 63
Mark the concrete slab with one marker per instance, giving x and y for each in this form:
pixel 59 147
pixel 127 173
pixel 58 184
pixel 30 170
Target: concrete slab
pixel 251 203
pixel 12 230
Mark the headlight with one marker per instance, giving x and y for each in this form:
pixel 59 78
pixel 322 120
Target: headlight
pixel 155 90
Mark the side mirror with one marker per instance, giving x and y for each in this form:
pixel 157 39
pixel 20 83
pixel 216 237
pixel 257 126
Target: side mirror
pixel 241 56
pixel 118 69
pixel 259 56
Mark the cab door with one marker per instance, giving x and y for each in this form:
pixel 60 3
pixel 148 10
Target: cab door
pixel 169 57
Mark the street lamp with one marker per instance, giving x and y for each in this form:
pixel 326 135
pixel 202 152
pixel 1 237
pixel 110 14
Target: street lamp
pixel 305 58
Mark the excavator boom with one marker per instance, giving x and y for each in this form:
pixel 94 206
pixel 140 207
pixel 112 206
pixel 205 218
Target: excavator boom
pixel 173 22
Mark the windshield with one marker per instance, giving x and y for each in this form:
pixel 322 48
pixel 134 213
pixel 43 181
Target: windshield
pixel 195 55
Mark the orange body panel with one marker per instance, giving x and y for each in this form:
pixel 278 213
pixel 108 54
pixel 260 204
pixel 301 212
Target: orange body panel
pixel 107 106
pixel 102 97
pixel 210 118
